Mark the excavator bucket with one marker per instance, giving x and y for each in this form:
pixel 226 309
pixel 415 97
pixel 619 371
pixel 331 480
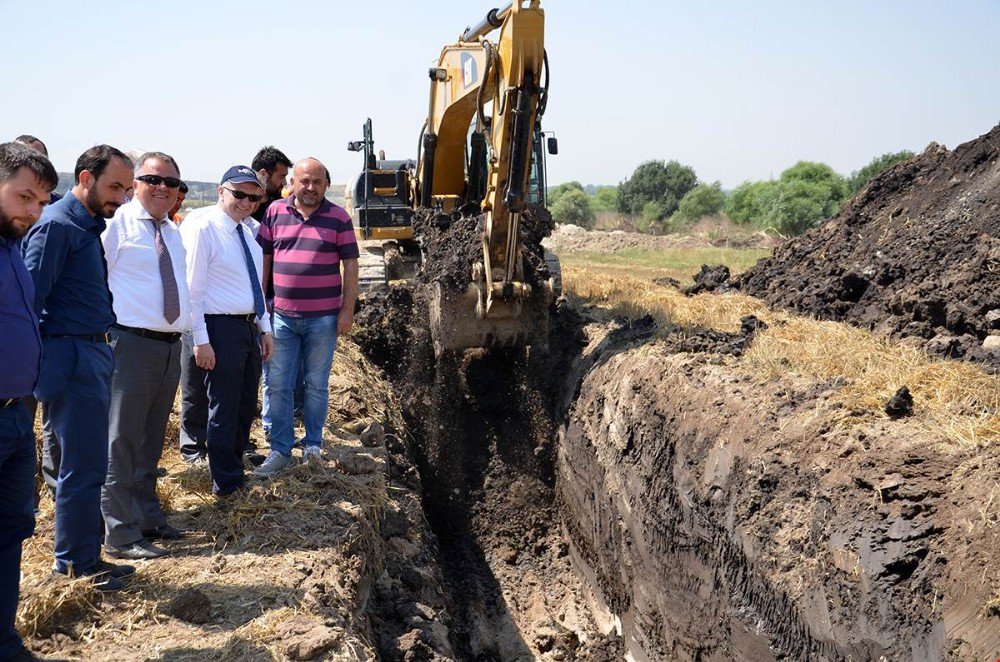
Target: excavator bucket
pixel 457 323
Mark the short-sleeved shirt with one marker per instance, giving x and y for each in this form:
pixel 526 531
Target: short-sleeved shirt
pixel 307 255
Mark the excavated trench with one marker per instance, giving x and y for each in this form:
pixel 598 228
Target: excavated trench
pixel 640 493
pixel 643 495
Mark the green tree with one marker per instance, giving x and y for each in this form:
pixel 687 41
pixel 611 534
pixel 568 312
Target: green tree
pixel 656 181
pixel 805 195
pixel 861 177
pixel 702 200
pixel 834 185
pixel 556 192
pixel 793 206
pixel 573 206
pixel 605 199
pixel 744 204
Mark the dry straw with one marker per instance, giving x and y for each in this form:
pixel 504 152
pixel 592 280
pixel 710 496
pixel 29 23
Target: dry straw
pixel 958 401
pixel 309 512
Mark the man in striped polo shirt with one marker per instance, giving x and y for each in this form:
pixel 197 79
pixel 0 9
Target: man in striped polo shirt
pixel 306 238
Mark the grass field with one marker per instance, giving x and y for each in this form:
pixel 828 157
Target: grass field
pixel 679 263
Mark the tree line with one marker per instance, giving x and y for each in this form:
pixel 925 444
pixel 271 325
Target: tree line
pixel 664 197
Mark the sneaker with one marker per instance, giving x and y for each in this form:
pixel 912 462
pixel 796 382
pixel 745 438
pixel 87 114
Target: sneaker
pixel 199 462
pixel 274 463
pixel 311 454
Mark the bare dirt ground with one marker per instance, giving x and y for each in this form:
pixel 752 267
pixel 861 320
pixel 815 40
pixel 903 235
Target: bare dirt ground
pixel 569 238
pixel 285 573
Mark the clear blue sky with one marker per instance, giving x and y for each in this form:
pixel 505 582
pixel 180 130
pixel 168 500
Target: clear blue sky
pixel 737 90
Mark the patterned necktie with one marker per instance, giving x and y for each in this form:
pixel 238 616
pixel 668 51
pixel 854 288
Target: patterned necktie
pixel 171 299
pixel 258 296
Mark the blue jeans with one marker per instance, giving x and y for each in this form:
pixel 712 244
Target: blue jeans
pixel 265 392
pixel 17 514
pixel 311 340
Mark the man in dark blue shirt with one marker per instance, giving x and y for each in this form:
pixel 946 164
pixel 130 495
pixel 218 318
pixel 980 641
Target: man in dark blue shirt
pixel 26 180
pixel 64 254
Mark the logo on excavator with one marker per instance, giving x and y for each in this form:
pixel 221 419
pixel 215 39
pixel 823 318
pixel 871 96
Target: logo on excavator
pixel 469 71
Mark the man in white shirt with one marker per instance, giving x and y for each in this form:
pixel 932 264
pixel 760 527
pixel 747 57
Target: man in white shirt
pixel 146 275
pixel 230 328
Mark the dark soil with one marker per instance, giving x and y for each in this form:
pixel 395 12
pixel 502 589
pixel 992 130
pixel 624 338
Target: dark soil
pixel 916 253
pixel 452 243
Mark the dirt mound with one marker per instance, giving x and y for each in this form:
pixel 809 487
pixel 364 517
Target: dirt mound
pixel 915 253
pixel 569 238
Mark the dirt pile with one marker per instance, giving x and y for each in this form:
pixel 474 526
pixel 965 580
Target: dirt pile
pixel 916 253
pixel 570 238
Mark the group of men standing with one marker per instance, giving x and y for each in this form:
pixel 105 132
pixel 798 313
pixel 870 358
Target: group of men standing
pixel 108 305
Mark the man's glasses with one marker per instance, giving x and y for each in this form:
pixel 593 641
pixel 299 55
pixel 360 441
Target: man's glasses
pixel 240 195
pixel 156 180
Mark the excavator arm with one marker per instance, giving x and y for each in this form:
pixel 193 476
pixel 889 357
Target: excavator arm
pixel 495 89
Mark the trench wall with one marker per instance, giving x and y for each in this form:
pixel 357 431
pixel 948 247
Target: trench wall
pixel 720 519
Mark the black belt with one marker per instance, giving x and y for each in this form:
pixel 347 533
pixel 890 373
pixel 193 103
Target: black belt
pixel 10 402
pixel 246 317
pixel 93 337
pixel 163 336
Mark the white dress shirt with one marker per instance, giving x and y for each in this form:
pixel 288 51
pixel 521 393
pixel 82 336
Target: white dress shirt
pixel 217 269
pixel 134 269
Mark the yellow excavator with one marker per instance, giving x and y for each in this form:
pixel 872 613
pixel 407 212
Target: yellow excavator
pixel 481 144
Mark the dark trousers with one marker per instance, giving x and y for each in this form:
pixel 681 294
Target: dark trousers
pixel 48 471
pixel 75 385
pixel 194 404
pixel 142 394
pixel 17 515
pixel 232 398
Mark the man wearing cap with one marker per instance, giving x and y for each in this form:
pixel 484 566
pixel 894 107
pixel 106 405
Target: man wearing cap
pixel 230 328
pixel 64 254
pixel 26 179
pixel 146 274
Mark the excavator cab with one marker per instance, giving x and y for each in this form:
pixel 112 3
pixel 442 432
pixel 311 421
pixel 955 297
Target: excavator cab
pixel 380 203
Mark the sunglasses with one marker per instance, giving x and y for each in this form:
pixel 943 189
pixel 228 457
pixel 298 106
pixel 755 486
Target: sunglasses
pixel 156 180
pixel 240 195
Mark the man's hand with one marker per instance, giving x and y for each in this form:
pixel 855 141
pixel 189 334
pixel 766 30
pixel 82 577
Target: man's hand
pixel 204 356
pixel 345 320
pixel 266 346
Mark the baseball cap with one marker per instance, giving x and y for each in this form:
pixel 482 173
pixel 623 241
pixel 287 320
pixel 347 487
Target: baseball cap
pixel 241 174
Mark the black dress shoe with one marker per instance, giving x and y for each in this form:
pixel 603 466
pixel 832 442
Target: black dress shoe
pixel 103 581
pixel 163 532
pixel 139 550
pixel 117 570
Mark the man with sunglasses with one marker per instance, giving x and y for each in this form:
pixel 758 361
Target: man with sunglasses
pixel 230 327
pixel 64 254
pixel 146 274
